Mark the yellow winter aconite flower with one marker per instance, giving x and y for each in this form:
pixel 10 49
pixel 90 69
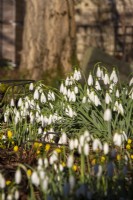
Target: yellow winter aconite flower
pixel 36 145
pixel 93 162
pixel 9 134
pixel 8 182
pixel 38 152
pixel 63 164
pixel 128 146
pixel 15 148
pixel 103 159
pixel 47 147
pixel 129 141
pixel 58 150
pixel 74 167
pixel 118 157
pixel 131 156
pixel 29 172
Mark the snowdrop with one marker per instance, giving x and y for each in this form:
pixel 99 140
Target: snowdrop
pixel 84 99
pixel 36 95
pixel 43 98
pixel 117 139
pixel 70 161
pixel 113 76
pixel 97 85
pixel 35 179
pixel 18 176
pixel 105 148
pixel 131 81
pixel 96 145
pixel 77 75
pixel 96 100
pixel 12 104
pixel 31 86
pixel 106 79
pixel 86 149
pixel 2 181
pixel 99 73
pixel 90 80
pixel 107 115
pixel 107 98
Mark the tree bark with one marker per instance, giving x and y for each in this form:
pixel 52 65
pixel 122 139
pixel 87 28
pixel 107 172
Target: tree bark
pixel 49 38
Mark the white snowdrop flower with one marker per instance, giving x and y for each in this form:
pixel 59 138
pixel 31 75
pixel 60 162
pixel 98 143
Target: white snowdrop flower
pixel 92 96
pixel 63 139
pixel 65 91
pixel 31 86
pixel 111 87
pixel 20 102
pixel 72 97
pixel 45 184
pixel 88 92
pixel 110 169
pixel 114 77
pixel 3 196
pixel 45 162
pixel 87 135
pixel 67 81
pixel 76 143
pixel 61 168
pixel 76 90
pixel 98 73
pixel 16 120
pixel 105 148
pixel 2 181
pixel 53 158
pixel 40 162
pixel 82 140
pixel 70 161
pixel 116 106
pixel 96 145
pixel 90 80
pixel 71 181
pixel 97 85
pixel 18 176
pixel 68 93
pixel 35 179
pixel 96 100
pixel 9 197
pixel 55 167
pixel 36 94
pixel 106 79
pixel 107 115
pixel 39 130
pixel 77 75
pixel 61 87
pixel 12 104
pixel 117 93
pixel 43 98
pixel 107 98
pixel 16 195
pixel 71 144
pixel 120 109
pixel 84 99
pixel 131 81
pixel 86 149
pixel 117 139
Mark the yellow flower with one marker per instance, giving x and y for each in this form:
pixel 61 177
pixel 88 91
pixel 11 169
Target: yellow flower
pixel 29 172
pixel 8 182
pixel 118 157
pixel 131 156
pixel 15 148
pixel 36 145
pixel 129 141
pixel 40 144
pixel 63 164
pixel 47 147
pixel 128 146
pixel 9 134
pixel 93 162
pixel 13 142
pixel 74 167
pixel 103 159
pixel 38 152
pixel 58 150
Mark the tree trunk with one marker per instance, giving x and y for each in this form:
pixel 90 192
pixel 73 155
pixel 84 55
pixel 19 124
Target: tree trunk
pixel 49 38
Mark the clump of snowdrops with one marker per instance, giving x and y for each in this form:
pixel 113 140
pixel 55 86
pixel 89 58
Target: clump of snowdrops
pixel 83 135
